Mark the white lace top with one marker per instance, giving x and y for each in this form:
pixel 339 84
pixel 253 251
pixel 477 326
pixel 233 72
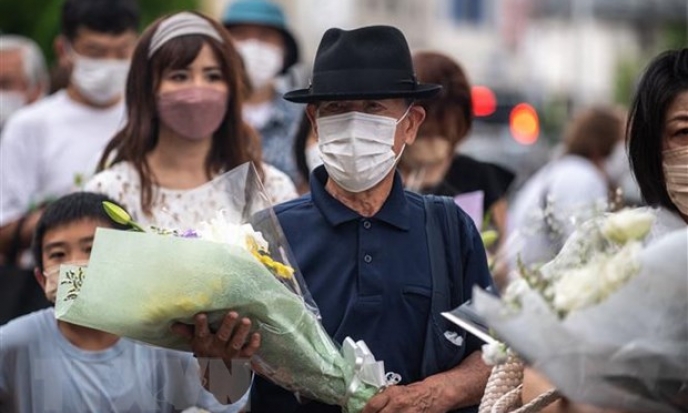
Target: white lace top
pixel 180 209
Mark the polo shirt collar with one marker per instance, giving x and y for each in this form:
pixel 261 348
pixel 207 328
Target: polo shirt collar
pixel 395 210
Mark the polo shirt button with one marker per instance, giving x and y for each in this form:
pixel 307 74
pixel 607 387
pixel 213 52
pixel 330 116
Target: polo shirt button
pixel 367 258
pixel 367 224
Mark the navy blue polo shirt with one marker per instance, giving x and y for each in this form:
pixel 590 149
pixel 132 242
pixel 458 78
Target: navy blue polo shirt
pixel 370 278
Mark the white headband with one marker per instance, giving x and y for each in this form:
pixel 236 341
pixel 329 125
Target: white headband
pixel 181 24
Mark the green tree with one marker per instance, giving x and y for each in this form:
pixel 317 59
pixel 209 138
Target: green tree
pixel 40 19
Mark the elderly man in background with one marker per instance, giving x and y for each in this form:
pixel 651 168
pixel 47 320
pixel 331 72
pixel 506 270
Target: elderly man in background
pixel 23 74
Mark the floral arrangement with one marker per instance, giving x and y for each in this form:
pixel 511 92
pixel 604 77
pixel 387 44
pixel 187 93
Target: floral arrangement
pixel 571 318
pixel 138 283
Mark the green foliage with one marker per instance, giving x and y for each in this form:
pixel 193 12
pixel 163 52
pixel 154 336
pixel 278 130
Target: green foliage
pixel 675 35
pixel 627 73
pixel 40 19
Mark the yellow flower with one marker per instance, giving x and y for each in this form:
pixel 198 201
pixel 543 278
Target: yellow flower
pixel 277 268
pixel 489 237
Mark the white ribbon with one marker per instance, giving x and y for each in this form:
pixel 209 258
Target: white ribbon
pixel 366 369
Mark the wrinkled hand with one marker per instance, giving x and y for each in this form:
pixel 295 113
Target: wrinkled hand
pixel 232 339
pixel 417 398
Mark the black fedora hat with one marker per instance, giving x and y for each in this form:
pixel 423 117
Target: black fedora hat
pixel 367 63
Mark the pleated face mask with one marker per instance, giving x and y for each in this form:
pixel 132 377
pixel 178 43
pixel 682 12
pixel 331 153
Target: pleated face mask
pixel 358 148
pixel 675 166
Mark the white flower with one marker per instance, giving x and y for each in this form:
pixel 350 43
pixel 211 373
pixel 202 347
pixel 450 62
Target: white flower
pixel 621 267
pixel 223 231
pixel 495 353
pixel 595 281
pixel 516 290
pixel 578 287
pixel 627 225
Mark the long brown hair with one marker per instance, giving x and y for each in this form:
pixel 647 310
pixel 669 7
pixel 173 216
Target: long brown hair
pixel 449 114
pixel 232 143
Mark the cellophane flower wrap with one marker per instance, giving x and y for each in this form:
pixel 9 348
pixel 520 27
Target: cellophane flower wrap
pixel 137 284
pixel 607 320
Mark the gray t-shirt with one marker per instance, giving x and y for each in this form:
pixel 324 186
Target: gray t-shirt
pixel 41 371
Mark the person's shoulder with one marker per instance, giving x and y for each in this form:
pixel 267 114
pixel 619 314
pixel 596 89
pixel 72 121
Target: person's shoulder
pixel 276 176
pixel 444 205
pixel 575 170
pixel 465 160
pixel 42 109
pixel 462 162
pixel 294 206
pixel 24 331
pixel 24 126
pixel 573 163
pixel 278 185
pixel 415 199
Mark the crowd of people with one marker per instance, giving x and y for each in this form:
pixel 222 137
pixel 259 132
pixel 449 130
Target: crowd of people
pixel 362 165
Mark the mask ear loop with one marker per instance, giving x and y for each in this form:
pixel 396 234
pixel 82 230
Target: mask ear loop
pixel 408 109
pixel 401 152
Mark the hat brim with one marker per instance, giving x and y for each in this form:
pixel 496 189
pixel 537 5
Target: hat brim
pixel 422 91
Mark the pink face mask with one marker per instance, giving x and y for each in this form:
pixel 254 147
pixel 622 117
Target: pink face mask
pixel 194 112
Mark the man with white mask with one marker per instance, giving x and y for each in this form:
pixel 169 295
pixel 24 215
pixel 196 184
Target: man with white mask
pixel 268 50
pixel 49 148
pixel 23 74
pixel 381 263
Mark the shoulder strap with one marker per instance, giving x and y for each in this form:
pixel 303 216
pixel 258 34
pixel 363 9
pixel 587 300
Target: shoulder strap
pixel 442 233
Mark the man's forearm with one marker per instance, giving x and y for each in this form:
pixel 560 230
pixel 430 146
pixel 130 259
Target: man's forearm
pixel 463 385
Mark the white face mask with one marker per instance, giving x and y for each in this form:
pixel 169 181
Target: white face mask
pixel 357 148
pixel 262 61
pixel 676 175
pixel 10 102
pixel 100 80
pixel 313 158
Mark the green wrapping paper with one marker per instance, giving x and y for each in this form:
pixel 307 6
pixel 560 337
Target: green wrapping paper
pixel 138 284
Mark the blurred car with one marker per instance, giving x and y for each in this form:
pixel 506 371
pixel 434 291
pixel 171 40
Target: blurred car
pixel 506 131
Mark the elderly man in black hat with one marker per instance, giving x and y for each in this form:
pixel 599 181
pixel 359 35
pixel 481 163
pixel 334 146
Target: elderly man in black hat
pixel 374 265
pixel 381 263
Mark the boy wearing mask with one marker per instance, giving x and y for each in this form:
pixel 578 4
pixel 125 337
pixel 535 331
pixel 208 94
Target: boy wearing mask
pixel 49 365
pixel 50 147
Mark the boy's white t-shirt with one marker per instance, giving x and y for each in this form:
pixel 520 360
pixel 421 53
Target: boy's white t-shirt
pixel 48 147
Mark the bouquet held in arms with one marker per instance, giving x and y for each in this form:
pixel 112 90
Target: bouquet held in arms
pixel 139 283
pixel 606 320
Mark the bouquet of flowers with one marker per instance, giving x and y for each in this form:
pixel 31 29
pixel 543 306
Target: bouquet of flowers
pixel 137 284
pixel 605 320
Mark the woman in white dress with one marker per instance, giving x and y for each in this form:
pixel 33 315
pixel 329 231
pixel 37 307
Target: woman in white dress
pixel 184 127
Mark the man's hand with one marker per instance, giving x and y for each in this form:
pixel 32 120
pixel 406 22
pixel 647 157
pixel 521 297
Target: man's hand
pixel 232 339
pixel 421 397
